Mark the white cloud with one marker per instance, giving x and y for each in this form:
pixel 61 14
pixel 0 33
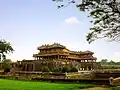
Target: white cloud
pixel 72 20
pixel 116 56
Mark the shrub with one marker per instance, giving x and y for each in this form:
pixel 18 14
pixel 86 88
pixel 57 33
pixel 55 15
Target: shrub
pixel 6 65
pixel 55 70
pixel 65 69
pixel 7 70
pixel 45 69
pixel 73 69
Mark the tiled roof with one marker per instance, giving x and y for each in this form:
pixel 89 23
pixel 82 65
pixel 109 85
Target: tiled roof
pixel 81 52
pixel 47 46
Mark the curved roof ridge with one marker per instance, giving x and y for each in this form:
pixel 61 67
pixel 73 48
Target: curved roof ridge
pixel 51 46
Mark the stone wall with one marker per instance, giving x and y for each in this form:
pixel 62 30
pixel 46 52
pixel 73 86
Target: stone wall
pixel 106 73
pixel 56 76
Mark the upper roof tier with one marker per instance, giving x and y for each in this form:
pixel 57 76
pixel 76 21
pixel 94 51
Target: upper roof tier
pixel 57 45
pixel 48 46
pixel 82 52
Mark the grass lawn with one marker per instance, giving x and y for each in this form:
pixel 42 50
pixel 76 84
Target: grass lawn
pixel 29 85
pixel 114 88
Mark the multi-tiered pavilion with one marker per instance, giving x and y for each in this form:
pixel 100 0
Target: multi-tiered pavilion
pixel 58 56
pixel 59 52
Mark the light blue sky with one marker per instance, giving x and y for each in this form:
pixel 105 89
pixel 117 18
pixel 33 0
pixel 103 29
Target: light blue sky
pixel 30 23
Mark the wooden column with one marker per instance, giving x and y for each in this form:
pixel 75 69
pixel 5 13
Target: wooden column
pixel 26 67
pixel 87 60
pixel 58 57
pixel 33 67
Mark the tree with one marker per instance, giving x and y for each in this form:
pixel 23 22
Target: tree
pixel 104 61
pixel 111 63
pixel 118 63
pixel 5 48
pixel 106 18
pixel 6 65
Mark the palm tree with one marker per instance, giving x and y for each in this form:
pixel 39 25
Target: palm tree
pixel 5 48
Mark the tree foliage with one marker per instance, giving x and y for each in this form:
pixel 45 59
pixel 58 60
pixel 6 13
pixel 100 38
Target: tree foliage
pixel 106 18
pixel 74 69
pixel 6 65
pixel 45 69
pixel 104 61
pixel 65 69
pixel 5 48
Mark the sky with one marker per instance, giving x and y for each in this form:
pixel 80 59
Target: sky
pixel 27 24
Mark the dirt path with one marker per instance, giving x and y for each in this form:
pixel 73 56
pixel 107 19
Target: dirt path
pixel 96 88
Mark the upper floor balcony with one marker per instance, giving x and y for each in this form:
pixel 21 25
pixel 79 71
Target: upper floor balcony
pixel 51 53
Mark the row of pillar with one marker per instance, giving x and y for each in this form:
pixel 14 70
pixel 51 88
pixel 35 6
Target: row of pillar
pixel 85 68
pixel 28 68
pixel 54 57
pixel 88 61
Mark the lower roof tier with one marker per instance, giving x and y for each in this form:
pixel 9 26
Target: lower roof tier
pixel 38 55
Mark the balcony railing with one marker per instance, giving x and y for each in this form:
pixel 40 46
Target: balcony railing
pixel 40 53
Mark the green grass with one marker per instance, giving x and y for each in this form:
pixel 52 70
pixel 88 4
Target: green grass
pixel 111 66
pixel 29 85
pixel 114 88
